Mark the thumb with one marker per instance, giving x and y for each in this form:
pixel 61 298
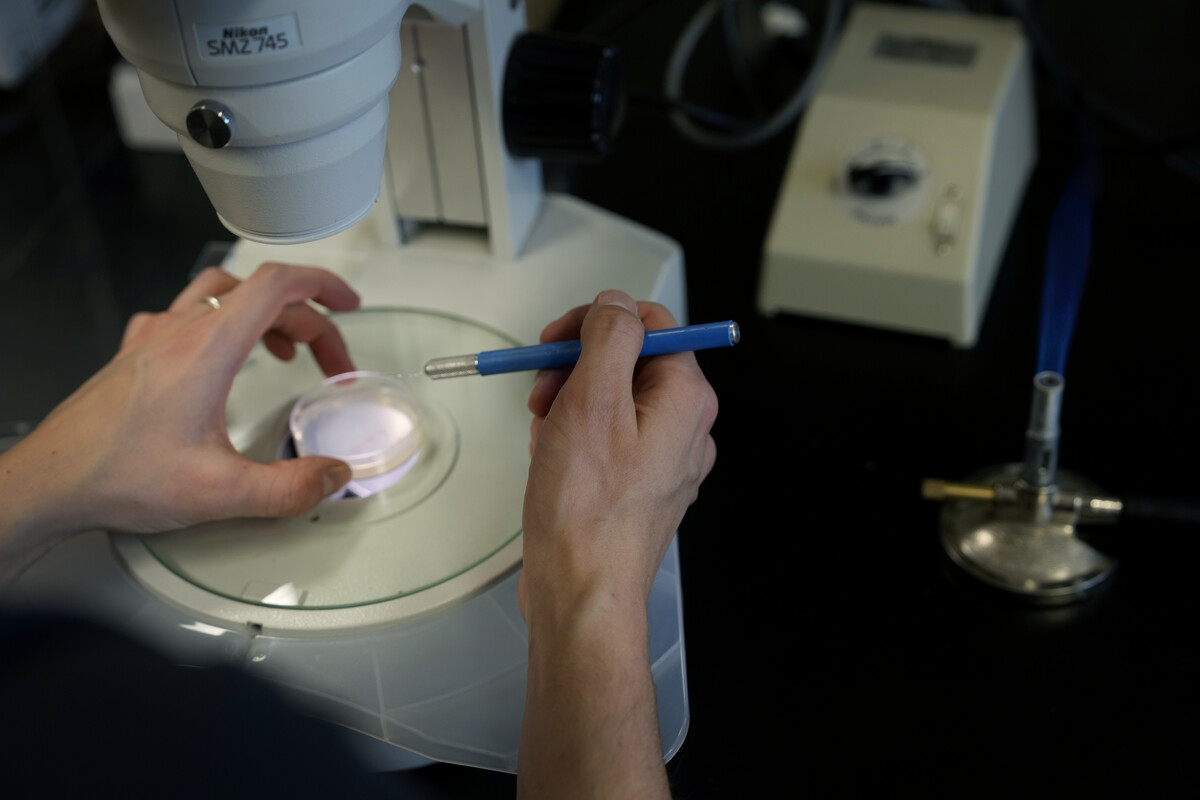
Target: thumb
pixel 290 487
pixel 611 340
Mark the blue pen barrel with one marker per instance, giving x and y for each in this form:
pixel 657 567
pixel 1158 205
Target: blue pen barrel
pixel 690 337
pixel 536 356
pixel 562 354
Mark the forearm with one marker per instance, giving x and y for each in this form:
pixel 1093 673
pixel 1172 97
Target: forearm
pixel 591 728
pixel 36 511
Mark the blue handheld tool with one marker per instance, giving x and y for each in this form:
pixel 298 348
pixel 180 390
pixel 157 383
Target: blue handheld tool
pixel 562 354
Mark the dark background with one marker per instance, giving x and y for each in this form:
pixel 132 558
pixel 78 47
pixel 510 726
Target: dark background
pixel 831 649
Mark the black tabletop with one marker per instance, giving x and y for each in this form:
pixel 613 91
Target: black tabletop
pixel 831 644
pixel 832 649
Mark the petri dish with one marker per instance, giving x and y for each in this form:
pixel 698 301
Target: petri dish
pixel 445 515
pixel 368 419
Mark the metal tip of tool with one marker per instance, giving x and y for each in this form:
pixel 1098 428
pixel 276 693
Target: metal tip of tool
pixel 735 333
pixel 452 367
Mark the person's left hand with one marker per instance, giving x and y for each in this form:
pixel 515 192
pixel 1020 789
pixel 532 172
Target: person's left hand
pixel 142 446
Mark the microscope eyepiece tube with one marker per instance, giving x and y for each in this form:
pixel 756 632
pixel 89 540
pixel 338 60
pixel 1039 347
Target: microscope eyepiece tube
pixel 281 107
pixel 1041 436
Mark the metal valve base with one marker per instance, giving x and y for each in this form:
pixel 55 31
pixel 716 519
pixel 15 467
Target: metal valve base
pixel 1024 542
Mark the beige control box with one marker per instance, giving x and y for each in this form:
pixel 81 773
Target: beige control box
pixel 907 174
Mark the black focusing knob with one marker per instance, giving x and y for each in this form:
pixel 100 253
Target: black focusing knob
pixel 882 179
pixel 563 99
pixel 210 124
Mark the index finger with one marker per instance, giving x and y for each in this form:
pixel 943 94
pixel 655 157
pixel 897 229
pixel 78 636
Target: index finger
pixel 569 326
pixel 565 327
pixel 654 317
pixel 256 303
pixel 611 337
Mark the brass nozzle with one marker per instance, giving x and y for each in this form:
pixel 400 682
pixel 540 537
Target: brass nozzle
pixel 935 489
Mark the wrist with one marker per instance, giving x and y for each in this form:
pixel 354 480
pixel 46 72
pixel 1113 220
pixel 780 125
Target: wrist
pixel 589 701
pixel 596 634
pixel 582 614
pixel 559 598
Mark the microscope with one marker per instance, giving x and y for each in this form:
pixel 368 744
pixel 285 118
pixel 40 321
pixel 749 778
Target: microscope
pixel 396 144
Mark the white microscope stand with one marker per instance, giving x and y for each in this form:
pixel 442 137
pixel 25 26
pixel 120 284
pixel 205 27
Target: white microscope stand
pixel 384 682
pixel 440 673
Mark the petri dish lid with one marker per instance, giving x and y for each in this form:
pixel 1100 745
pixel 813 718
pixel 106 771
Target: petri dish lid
pixel 457 505
pixel 370 420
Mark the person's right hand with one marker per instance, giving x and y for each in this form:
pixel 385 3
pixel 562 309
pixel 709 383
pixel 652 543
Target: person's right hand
pixel 619 449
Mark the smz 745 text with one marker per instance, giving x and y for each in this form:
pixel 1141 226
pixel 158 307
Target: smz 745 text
pixel 247 46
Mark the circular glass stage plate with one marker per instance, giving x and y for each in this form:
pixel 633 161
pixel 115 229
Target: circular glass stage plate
pixel 452 505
